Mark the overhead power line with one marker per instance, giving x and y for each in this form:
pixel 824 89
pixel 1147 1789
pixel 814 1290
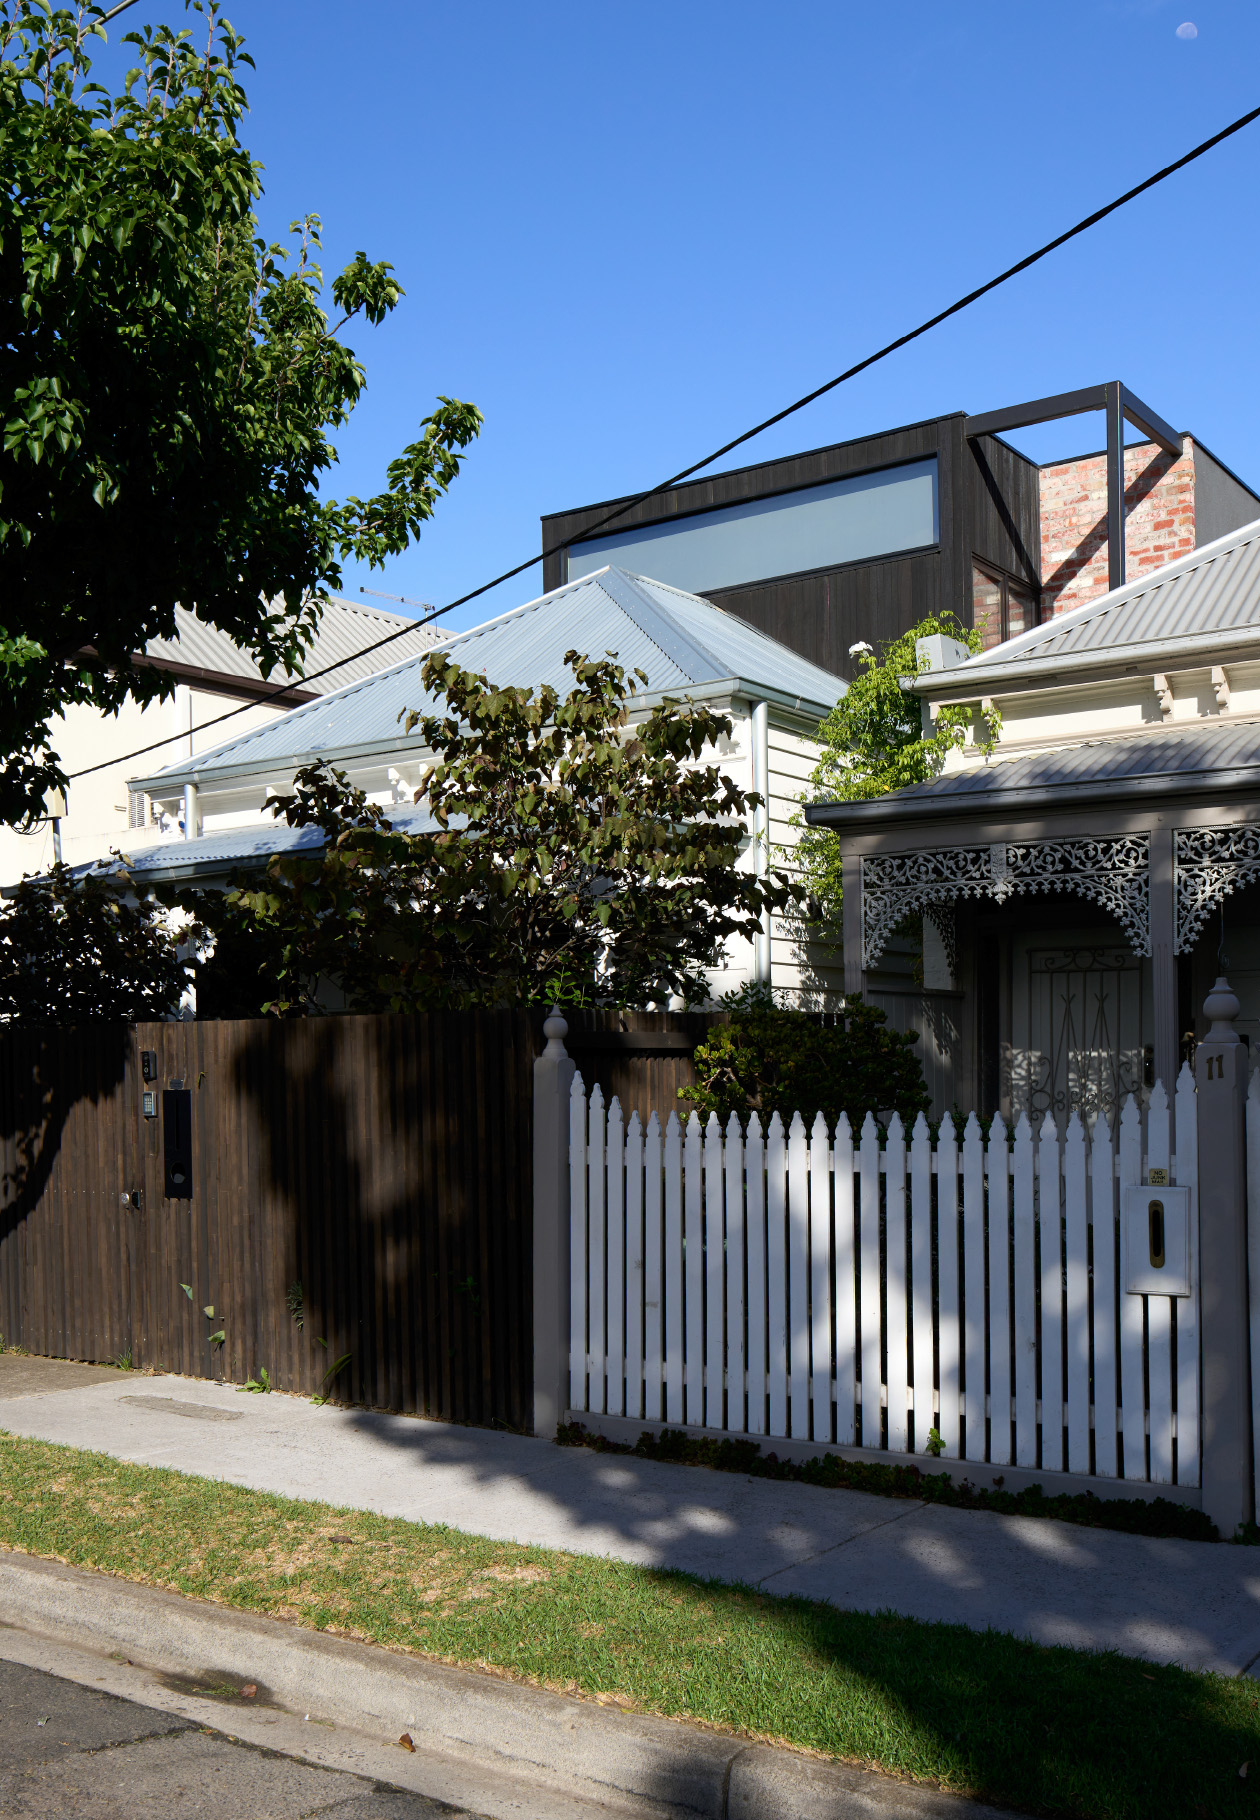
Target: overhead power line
pixel 736 442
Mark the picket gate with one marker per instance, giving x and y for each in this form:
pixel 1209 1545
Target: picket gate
pixel 861 1292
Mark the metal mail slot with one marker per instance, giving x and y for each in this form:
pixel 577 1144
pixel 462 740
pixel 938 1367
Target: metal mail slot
pixel 1155 1239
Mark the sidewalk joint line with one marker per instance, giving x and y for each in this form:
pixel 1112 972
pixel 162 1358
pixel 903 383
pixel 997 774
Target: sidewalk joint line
pixel 897 1517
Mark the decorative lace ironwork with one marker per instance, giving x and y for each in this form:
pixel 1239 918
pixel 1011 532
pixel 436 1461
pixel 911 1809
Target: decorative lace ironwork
pixel 1209 864
pixel 1112 871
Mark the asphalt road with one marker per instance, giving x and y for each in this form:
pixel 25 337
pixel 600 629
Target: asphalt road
pixel 78 1753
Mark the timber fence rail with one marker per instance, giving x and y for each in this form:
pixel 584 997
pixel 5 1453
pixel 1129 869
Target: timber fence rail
pixel 866 1289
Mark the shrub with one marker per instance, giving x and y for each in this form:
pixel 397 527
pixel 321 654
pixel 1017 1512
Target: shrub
pixel 770 1059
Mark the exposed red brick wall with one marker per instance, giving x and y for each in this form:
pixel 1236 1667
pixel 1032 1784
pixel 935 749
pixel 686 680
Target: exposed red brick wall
pixel 1159 521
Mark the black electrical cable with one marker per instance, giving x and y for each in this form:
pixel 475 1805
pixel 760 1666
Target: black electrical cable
pixel 747 436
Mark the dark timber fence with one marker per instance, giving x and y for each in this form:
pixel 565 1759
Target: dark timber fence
pixel 382 1163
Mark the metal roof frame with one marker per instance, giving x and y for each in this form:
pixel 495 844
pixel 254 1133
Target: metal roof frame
pixel 1119 405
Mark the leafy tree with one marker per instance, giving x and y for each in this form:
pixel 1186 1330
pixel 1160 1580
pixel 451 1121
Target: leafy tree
pixel 573 854
pixel 168 381
pixel 769 1059
pixel 73 950
pixel 874 741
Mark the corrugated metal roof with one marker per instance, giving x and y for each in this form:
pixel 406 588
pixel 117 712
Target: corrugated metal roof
pixel 679 640
pixel 1155 766
pixel 1219 748
pixel 231 847
pixel 345 632
pixel 1212 591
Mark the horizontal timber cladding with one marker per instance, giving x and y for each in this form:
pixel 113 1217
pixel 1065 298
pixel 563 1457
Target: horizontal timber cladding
pixel 385 1164
pixel 988 506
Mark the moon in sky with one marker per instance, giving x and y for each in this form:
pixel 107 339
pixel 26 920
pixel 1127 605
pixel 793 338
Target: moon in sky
pixel 1188 30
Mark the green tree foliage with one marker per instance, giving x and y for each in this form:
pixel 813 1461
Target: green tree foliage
pixel 575 854
pixel 768 1060
pixel 168 381
pixel 76 950
pixel 874 741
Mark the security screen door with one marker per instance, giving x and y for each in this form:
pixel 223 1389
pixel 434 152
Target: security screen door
pixel 1079 1019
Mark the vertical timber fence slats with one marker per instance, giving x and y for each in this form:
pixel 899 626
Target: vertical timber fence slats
pixel 800 1284
pixel 381 1163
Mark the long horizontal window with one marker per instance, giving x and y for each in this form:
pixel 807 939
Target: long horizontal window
pixel 812 528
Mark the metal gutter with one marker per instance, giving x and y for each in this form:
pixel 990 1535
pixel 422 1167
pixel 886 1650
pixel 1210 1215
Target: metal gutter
pixel 1157 654
pixel 209 778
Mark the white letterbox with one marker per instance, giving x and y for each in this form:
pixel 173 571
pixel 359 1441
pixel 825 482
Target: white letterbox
pixel 1155 1240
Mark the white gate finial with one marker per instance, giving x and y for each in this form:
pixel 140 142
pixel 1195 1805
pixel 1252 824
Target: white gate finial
pixel 555 1029
pixel 1222 1006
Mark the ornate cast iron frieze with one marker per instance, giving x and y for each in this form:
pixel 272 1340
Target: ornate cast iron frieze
pixel 1112 871
pixel 1210 863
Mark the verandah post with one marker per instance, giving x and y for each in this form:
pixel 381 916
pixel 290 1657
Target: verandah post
pixel 553 1079
pixel 1220 1068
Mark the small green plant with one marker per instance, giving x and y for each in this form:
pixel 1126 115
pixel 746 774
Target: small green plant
pixel 261 1385
pixel 330 1376
pixel 293 1301
pixel 187 1289
pixel 122 1360
pixel 935 1444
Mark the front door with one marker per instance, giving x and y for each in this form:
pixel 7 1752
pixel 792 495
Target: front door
pixel 1079 1024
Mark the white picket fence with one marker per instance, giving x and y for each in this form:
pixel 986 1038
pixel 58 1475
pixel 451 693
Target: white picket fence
pixel 804 1285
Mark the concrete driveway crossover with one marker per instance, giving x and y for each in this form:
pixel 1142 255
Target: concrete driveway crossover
pixel 1193 1603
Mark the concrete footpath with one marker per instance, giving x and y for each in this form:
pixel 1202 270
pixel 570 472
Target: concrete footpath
pixel 1192 1603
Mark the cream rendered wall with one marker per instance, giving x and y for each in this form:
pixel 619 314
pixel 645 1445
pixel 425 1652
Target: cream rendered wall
pixel 1043 719
pixel 97 806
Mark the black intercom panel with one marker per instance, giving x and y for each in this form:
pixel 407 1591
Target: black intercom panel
pixel 148 1064
pixel 177 1143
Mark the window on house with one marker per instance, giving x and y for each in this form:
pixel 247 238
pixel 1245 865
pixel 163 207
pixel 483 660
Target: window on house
pixel 1001 606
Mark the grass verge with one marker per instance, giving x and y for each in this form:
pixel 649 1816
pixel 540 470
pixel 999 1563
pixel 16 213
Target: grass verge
pixel 1051 1731
pixel 1134 1516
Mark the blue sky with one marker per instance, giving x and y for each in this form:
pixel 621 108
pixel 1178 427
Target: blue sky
pixel 628 232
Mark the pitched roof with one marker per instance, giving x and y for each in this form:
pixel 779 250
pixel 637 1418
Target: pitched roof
pixel 1206 600
pixel 682 642
pixel 345 633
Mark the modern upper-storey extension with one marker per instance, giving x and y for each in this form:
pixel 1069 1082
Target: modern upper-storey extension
pixel 862 540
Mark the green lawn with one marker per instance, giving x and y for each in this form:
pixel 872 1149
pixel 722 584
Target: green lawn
pixel 1046 1730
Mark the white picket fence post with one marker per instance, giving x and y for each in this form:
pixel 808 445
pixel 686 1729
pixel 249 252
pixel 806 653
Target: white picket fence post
pixel 795 1284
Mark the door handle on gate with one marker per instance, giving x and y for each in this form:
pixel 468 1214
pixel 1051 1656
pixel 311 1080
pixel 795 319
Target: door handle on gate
pixel 134 1200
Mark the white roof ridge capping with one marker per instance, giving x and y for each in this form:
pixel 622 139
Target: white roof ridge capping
pixel 1185 584
pixel 690 656
pixel 684 643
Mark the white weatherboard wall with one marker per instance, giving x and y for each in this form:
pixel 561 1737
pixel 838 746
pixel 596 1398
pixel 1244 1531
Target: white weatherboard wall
pixel 782 1283
pixel 804 971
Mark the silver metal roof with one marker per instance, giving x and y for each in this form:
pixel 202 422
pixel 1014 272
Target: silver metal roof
pixel 681 642
pixel 232 847
pixel 1104 760
pixel 1208 598
pixel 345 632
pixel 1163 764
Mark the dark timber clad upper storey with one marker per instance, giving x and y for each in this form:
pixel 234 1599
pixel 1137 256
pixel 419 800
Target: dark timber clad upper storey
pixel 987 499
